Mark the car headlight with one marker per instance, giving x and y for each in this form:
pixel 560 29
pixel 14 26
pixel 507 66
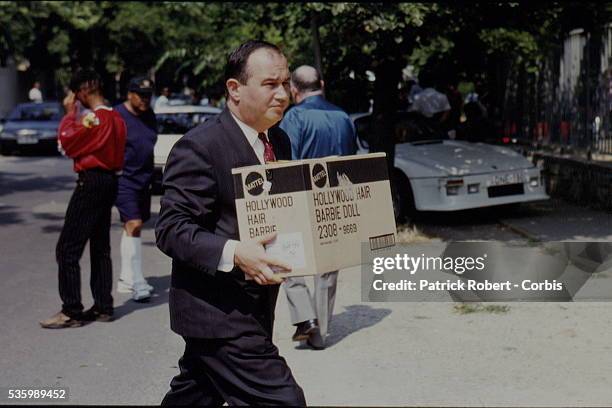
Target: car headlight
pixel 534 181
pixel 453 186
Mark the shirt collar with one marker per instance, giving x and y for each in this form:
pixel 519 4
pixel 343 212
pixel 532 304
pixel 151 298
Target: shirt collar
pixel 251 134
pixel 102 107
pixel 311 98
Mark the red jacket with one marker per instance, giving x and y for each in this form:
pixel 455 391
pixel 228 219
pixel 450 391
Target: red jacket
pixel 95 140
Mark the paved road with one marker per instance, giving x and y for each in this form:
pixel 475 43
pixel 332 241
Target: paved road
pixel 380 353
pixel 477 224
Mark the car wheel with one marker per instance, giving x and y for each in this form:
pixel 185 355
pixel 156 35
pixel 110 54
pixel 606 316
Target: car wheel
pixel 403 198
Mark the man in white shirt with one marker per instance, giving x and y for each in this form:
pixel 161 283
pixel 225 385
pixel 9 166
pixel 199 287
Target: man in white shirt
pixel 35 95
pixel 163 99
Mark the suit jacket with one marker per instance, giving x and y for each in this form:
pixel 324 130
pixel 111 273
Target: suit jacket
pixel 197 217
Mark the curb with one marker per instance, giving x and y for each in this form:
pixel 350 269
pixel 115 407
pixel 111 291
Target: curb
pixel 520 231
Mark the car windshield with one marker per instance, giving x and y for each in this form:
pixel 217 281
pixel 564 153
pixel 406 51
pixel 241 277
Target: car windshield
pixel 36 112
pixel 180 123
pixel 416 128
pixel 409 127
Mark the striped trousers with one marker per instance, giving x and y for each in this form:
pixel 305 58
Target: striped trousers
pixel 88 218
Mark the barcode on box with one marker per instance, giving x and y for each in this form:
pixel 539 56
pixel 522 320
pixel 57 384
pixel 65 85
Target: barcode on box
pixel 382 241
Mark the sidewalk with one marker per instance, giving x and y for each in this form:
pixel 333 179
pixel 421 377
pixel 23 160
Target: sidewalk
pixel 389 354
pixel 431 354
pixel 557 220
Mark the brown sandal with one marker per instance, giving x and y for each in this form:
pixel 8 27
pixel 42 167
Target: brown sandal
pixel 60 321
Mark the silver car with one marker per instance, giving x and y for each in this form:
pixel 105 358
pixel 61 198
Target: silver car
pixel 438 174
pixel 172 123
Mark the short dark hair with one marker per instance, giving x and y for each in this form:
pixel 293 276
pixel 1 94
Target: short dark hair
pixel 85 77
pixel 304 84
pixel 236 66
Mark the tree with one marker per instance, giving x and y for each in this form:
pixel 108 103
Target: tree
pixel 495 44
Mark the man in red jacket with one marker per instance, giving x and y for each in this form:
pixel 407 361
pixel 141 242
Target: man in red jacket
pixel 96 142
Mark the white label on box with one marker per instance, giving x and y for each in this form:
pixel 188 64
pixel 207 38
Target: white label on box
pixel 343 180
pixel 289 248
pixel 267 186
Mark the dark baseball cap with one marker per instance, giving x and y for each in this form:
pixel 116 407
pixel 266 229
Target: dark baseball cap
pixel 141 85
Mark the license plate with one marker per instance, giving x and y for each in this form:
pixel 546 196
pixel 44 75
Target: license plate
pixel 510 178
pixel 26 139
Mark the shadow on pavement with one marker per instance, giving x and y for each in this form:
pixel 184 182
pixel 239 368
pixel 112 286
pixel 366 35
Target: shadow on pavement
pixel 11 183
pixel 49 216
pixel 477 216
pixel 35 151
pixel 558 220
pixel 160 297
pixel 353 319
pixel 54 228
pixel 9 216
pixel 51 229
pixel 478 223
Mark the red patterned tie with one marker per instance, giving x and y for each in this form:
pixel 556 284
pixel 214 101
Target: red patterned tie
pixel 268 150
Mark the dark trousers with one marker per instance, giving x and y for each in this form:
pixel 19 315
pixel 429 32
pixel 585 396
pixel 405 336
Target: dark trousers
pixel 88 218
pixel 246 370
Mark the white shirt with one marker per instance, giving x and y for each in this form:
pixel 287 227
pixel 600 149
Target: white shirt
pixel 35 95
pixel 226 263
pixel 161 101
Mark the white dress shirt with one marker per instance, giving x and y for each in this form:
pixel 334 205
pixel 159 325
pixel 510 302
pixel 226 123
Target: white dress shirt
pixel 35 95
pixel 226 263
pixel 162 100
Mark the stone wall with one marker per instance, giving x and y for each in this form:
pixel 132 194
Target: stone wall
pixel 576 180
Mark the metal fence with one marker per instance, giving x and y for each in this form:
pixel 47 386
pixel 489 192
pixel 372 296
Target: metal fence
pixel 569 101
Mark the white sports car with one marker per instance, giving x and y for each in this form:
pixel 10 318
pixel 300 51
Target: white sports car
pixel 449 175
pixel 173 121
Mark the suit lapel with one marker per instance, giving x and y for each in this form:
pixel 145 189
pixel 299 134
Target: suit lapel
pixel 245 155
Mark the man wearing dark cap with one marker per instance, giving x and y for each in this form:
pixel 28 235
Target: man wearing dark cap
pixel 95 140
pixel 134 194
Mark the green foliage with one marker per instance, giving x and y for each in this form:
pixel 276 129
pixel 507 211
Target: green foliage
pixel 79 15
pixel 184 39
pixel 428 48
pixel 468 308
pixel 16 29
pixel 521 44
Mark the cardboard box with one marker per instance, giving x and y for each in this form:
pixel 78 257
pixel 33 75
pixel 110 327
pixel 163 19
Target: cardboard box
pixel 322 209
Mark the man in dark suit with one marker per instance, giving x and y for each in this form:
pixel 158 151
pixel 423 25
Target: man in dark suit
pixel 225 319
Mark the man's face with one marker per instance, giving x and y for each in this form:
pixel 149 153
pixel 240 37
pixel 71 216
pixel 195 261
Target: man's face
pixel 265 96
pixel 139 102
pixel 82 94
pixel 79 96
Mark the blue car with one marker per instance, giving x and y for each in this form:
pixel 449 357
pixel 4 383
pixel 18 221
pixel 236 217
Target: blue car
pixel 29 126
